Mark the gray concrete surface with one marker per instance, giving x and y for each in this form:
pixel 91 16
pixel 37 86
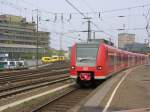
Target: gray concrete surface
pixel 133 93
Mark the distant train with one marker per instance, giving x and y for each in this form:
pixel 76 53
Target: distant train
pixel 53 59
pixel 91 62
pixel 8 64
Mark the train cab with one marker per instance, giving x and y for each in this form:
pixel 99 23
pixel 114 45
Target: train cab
pixel 46 60
pixel 85 63
pixel 12 64
pixel 90 62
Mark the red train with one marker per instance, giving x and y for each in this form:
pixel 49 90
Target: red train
pixel 96 61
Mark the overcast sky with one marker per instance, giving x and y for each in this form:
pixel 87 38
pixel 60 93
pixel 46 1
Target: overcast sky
pixel 108 22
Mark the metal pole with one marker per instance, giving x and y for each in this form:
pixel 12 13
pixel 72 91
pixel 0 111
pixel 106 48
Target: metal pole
pixel 60 40
pixel 37 42
pixel 60 43
pixel 110 41
pixel 89 30
pixel 94 35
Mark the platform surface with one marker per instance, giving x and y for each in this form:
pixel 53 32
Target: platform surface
pixel 133 93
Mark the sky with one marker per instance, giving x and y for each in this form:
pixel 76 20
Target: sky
pixel 65 23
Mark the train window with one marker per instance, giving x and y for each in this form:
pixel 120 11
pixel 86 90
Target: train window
pixel 12 63
pixel 119 59
pixel 3 63
pixel 55 57
pixel 86 56
pixel 47 59
pixel 111 58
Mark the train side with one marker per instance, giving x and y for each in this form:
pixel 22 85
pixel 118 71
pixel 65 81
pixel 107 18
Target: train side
pixel 108 60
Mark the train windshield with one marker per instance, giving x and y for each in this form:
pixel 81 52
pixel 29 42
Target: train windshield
pixel 86 56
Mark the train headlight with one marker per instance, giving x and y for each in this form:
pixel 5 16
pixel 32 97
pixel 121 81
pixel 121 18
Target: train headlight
pixel 73 67
pixel 99 68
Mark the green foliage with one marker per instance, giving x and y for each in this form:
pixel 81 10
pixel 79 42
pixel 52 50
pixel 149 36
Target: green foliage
pixel 55 52
pixel 31 56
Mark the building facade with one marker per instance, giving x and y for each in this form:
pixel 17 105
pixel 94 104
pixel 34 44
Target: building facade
pixel 18 37
pixel 125 38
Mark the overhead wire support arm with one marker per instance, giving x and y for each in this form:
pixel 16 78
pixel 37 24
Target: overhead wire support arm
pixel 85 17
pixel 89 28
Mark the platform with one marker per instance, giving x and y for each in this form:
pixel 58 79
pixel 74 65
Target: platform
pixel 128 90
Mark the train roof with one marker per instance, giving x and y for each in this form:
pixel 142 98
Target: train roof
pixel 87 44
pixel 120 50
pixel 96 44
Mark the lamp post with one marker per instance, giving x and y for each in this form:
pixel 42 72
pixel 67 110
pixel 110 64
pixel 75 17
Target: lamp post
pixel 37 42
pixel 37 37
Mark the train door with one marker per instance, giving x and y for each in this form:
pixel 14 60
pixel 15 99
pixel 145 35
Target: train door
pixel 133 60
pixel 122 61
pixel 141 59
pixel 115 61
pixel 111 60
pixel 126 60
pixel 12 64
pixel 129 59
pixel 119 60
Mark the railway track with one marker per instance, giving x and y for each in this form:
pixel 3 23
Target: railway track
pixel 64 101
pixel 30 76
pixel 50 67
pixel 13 82
pixel 18 90
pixel 17 83
pixel 17 76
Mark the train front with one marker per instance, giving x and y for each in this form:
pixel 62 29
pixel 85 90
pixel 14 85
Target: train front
pixel 83 65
